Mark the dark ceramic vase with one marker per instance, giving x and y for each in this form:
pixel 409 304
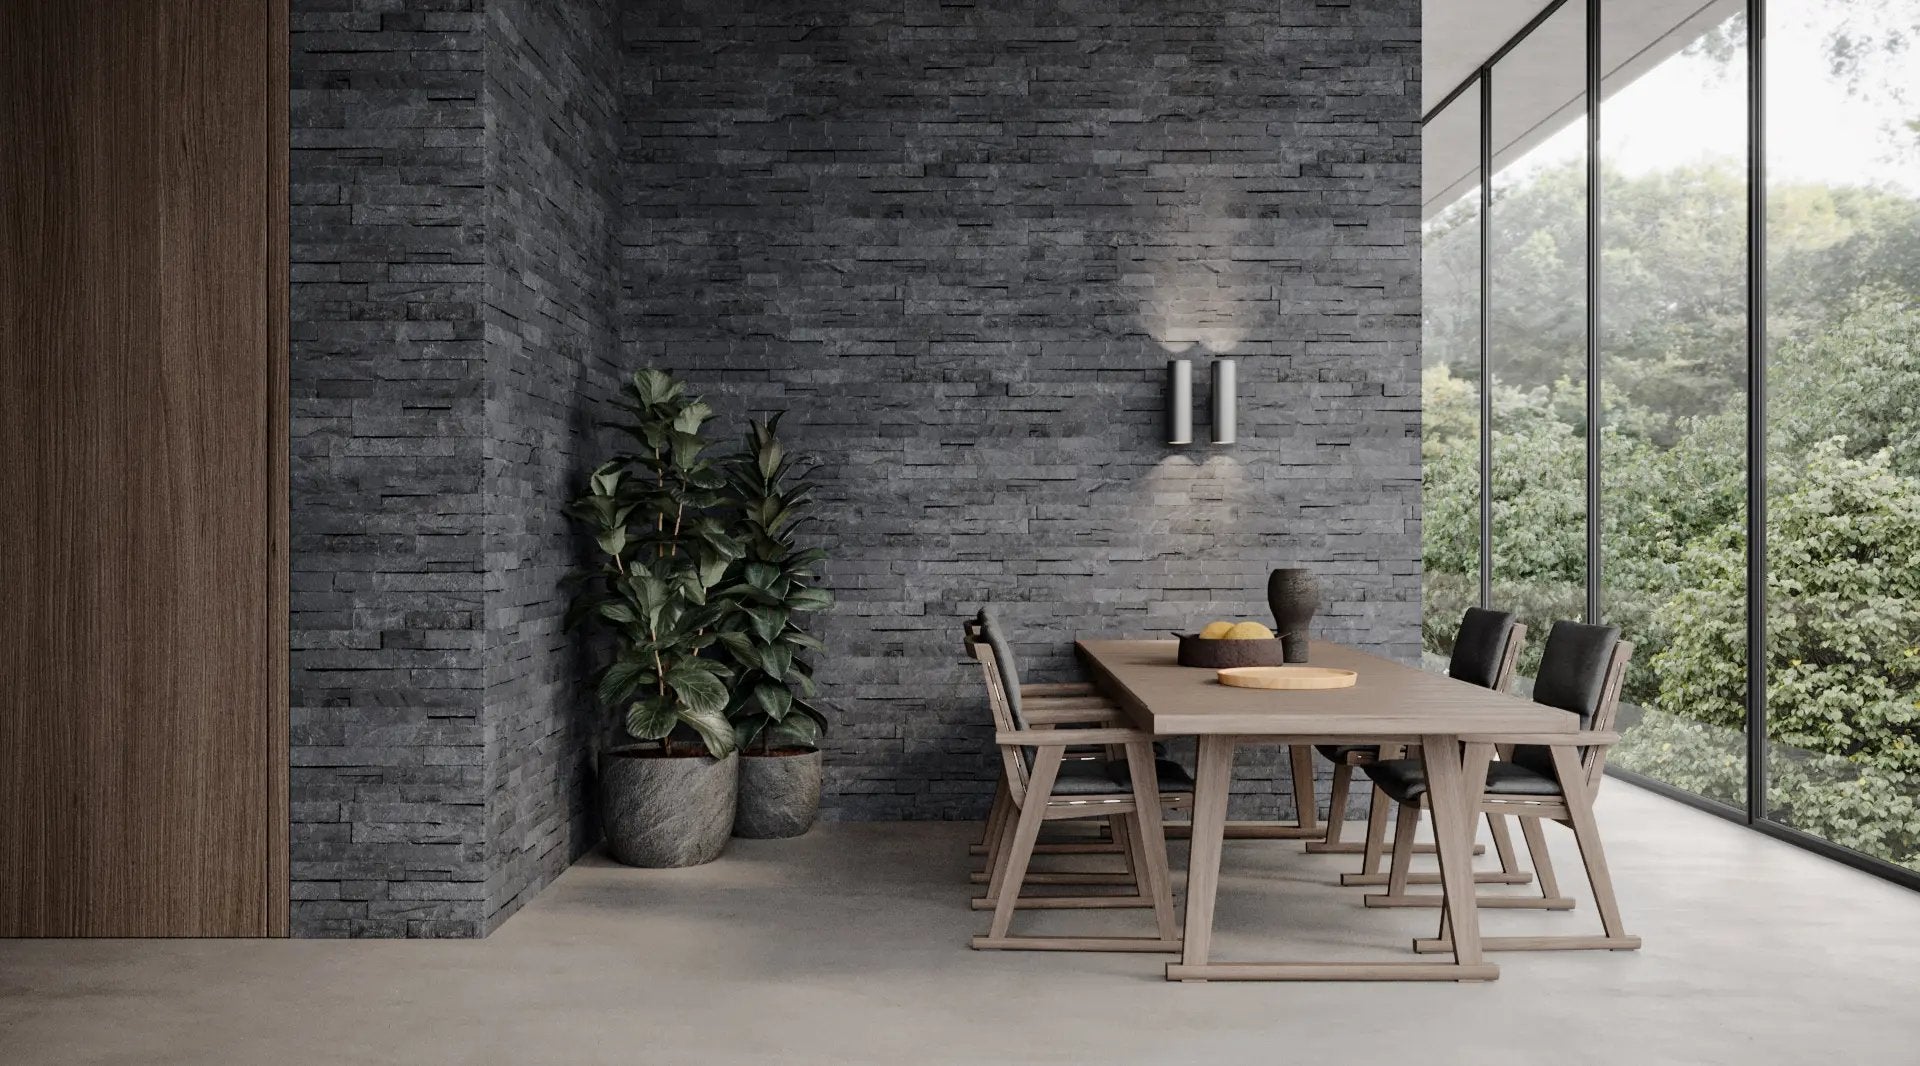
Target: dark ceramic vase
pixel 1294 595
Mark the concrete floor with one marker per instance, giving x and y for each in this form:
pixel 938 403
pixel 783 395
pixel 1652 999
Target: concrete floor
pixel 849 946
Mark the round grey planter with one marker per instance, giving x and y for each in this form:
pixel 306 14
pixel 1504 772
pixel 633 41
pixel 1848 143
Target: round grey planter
pixel 667 812
pixel 779 795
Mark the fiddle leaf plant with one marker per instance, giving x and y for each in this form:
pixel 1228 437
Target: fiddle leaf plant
pixel 655 514
pixel 773 586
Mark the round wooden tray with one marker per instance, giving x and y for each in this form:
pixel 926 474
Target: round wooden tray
pixel 1284 677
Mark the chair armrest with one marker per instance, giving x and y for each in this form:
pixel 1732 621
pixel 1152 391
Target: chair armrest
pixel 1044 715
pixel 1066 701
pixel 1584 739
pixel 1061 738
pixel 1064 688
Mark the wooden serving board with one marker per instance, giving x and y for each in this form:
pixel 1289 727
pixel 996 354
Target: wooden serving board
pixel 1288 677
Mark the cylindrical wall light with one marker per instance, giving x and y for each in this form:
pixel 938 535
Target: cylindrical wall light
pixel 1179 401
pixel 1226 398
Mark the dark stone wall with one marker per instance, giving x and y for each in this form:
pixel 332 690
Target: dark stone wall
pixel 552 102
pixel 959 241
pixel 388 506
pixel 453 186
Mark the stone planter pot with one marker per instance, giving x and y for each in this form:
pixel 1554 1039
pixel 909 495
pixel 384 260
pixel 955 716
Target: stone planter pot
pixel 779 794
pixel 661 811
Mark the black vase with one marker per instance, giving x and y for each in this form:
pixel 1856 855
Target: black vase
pixel 1294 595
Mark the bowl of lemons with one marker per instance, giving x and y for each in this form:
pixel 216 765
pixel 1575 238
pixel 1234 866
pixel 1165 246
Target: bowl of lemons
pixel 1224 644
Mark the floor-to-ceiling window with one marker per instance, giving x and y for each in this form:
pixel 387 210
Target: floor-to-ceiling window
pixel 1842 161
pixel 1673 371
pixel 1450 370
pixel 1537 326
pixel 1758 539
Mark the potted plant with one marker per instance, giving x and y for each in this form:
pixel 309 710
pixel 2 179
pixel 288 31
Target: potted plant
pixel 663 552
pixel 776 723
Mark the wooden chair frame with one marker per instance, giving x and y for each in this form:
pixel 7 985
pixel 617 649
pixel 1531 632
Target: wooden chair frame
pixel 1375 846
pixel 1133 813
pixel 1069 703
pixel 1579 762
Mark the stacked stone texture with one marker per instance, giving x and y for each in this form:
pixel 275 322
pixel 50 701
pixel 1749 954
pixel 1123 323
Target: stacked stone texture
pixel 552 297
pixel 956 242
pixel 959 241
pixel 452 295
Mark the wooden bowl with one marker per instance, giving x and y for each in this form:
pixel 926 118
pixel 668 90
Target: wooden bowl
pixel 1288 677
pixel 1219 654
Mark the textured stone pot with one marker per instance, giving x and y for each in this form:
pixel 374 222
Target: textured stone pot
pixel 779 794
pixel 1293 595
pixel 667 811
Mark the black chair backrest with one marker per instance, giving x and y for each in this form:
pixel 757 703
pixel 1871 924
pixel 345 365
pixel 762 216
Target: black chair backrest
pixel 1480 647
pixel 1003 661
pixel 1572 678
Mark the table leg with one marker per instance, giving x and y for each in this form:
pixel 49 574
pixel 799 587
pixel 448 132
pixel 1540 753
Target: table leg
pixel 1454 786
pixel 1213 780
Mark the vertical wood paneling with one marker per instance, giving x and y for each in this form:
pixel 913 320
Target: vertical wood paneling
pixel 137 455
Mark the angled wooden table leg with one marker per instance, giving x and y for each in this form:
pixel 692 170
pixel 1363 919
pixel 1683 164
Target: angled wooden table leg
pixel 1453 787
pixel 1213 779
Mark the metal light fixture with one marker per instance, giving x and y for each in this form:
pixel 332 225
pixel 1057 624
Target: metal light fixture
pixel 1179 401
pixel 1226 399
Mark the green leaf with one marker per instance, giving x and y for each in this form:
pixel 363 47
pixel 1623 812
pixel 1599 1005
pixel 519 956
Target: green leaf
pixel 795 731
pixel 747 729
pixel 773 699
pixel 776 660
pixel 651 719
pixel 767 622
pixel 770 457
pixel 810 599
pixel 691 416
pixel 619 681
pixel 613 541
pixel 802 640
pixel 741 646
pixel 698 685
pixel 714 730
pixel 761 575
pixel 617 612
pixel 656 387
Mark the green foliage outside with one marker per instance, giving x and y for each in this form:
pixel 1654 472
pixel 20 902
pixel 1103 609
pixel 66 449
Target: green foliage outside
pixel 1843 513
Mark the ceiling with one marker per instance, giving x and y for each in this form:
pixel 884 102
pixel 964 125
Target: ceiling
pixel 1540 87
pixel 1458 35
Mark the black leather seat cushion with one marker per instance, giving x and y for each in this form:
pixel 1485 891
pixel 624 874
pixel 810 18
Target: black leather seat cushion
pixel 1479 645
pixel 1093 777
pixel 1338 753
pixel 1405 780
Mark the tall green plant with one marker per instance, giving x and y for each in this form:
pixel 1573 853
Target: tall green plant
pixel 773 586
pixel 664 550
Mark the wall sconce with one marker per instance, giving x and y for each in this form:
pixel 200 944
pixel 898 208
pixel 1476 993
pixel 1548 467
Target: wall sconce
pixel 1179 401
pixel 1226 400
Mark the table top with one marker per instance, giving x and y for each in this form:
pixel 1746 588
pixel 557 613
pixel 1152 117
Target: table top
pixel 1389 701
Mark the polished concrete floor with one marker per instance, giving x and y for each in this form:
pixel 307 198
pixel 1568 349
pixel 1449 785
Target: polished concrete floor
pixel 848 946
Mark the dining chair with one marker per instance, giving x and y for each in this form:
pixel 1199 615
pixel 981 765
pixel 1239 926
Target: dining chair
pixel 1486 651
pixel 1581 672
pixel 1047 705
pixel 1123 783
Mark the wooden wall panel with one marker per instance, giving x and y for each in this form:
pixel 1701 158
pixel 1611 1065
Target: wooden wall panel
pixel 144 388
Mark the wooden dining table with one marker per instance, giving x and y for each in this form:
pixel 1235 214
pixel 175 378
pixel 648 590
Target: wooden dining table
pixel 1454 724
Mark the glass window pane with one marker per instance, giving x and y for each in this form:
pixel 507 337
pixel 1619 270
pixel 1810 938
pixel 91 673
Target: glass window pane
pixel 1537 327
pixel 1843 422
pixel 1673 381
pixel 1450 371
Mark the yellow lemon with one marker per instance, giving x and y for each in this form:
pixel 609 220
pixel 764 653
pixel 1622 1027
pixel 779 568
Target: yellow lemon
pixel 1249 631
pixel 1215 630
